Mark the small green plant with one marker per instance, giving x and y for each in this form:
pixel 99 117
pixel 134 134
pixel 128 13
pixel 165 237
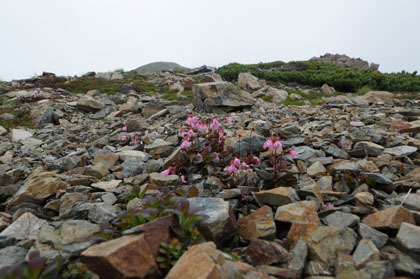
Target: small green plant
pixel 169 254
pixel 76 271
pixel 362 91
pixel 34 268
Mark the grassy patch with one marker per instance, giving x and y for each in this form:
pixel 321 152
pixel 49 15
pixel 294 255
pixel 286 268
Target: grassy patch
pixel 172 95
pixel 365 89
pixel 268 99
pixel 22 118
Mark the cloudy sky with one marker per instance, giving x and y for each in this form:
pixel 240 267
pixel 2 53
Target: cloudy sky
pixel 72 37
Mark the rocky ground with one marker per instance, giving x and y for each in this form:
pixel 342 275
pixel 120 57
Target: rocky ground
pixel 131 185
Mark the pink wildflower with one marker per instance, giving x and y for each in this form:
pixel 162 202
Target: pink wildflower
pixel 185 144
pixel 327 206
pixel 228 119
pixel 277 145
pixel 190 132
pixel 231 169
pixel 166 172
pixel 124 129
pixel 134 140
pixel 268 144
pixel 191 120
pixel 256 160
pixel 183 133
pixel 202 126
pixel 183 179
pixel 293 153
pixel 123 138
pixel 244 197
pixel 214 125
pixel 245 165
pixel 236 162
pixel 215 155
pixel 199 155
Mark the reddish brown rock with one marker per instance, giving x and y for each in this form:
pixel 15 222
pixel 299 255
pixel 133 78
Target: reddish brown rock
pixel 301 231
pixel 259 224
pixel 277 196
pixel 204 261
pixel 130 256
pixel 37 188
pixel 298 212
pixel 262 252
pixel 390 218
pixel 125 257
pixel 108 160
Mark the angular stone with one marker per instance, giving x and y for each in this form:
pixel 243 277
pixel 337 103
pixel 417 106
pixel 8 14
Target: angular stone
pixel 325 183
pixel 220 226
pixel 390 218
pixel 108 186
pixel 403 263
pixel 103 212
pixel 57 235
pixel 20 135
pixel 365 252
pixel 366 148
pixel 344 165
pixel 315 169
pixel 248 81
pixel 333 150
pixel 259 224
pixel 161 180
pixel 325 242
pixel 409 237
pixel 365 198
pixel 25 227
pixel 298 258
pixel 277 196
pixel 89 104
pixel 130 155
pixel 345 268
pixel 260 252
pixel 108 160
pixel 159 148
pixel 378 178
pixel 125 257
pixel 301 231
pixel 68 201
pixel 341 219
pixel 305 152
pixel 378 96
pixel 379 270
pixel 378 238
pixel 298 212
pixel 216 96
pixel 401 151
pixel 37 188
pixel 98 170
pixel 11 255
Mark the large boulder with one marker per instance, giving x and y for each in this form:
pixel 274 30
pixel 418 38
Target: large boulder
pixel 220 97
pixel 378 96
pixel 247 81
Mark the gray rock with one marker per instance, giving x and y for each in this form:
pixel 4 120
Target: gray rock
pixel 20 135
pixel 366 148
pixel 132 167
pixel 220 96
pixel 401 151
pixel 378 178
pixel 298 259
pixel 409 237
pixel 365 252
pixel 378 238
pixel 341 219
pixel 161 180
pixel 305 152
pixel 103 212
pixel 379 269
pixel 333 150
pixel 11 255
pixel 26 226
pixel 220 224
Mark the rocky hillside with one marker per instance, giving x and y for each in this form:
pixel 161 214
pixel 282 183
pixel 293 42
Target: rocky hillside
pixel 346 61
pixel 187 176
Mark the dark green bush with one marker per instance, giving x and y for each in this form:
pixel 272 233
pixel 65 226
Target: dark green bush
pixel 315 74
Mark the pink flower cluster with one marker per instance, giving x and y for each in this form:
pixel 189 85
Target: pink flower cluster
pixel 237 166
pixel 275 144
pixel 327 206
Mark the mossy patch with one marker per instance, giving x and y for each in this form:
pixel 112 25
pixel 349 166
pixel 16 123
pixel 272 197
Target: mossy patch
pixel 22 117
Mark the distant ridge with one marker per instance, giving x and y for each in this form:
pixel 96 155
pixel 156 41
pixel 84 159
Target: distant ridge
pixel 158 67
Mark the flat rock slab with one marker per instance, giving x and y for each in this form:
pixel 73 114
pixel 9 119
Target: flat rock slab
pixel 108 186
pixel 298 212
pixel 26 226
pixel 390 218
pixel 409 237
pixel 20 135
pixel 258 224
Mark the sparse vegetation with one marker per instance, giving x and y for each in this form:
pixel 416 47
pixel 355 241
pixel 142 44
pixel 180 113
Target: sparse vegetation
pixel 315 74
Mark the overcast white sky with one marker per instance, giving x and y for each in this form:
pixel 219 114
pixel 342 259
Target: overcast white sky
pixel 71 37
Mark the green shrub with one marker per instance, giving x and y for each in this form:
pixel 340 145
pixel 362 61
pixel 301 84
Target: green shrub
pixel 316 73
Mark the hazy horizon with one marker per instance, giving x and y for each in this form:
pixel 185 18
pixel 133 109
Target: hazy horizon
pixel 74 37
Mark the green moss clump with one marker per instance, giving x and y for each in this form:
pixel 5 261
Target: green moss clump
pixel 22 118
